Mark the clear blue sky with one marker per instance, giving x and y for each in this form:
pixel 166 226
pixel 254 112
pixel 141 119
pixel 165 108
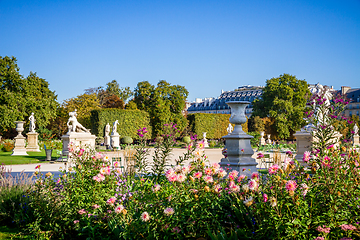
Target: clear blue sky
pixel 205 46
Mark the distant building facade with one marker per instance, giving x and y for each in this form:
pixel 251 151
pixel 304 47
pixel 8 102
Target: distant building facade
pixel 353 95
pixel 218 105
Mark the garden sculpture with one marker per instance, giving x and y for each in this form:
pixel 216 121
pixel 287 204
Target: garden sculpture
pixel 356 130
pixel 107 130
pixel 114 132
pixel 74 123
pixel 32 123
pixel 230 128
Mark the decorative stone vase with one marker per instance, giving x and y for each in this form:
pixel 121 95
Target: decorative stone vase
pixel 48 154
pixel 237 115
pixel 238 147
pixel 19 127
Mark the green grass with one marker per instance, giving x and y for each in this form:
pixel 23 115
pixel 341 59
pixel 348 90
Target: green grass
pixel 11 233
pixel 33 157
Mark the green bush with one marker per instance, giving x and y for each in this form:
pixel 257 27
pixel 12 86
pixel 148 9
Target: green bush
pixel 186 139
pixel 214 124
pixel 8 145
pixel 126 140
pixel 129 121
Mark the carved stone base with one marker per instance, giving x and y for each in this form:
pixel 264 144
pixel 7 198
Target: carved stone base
pixel 303 144
pixel 115 141
pixel 81 139
pixel 32 142
pixel 356 140
pixel 19 149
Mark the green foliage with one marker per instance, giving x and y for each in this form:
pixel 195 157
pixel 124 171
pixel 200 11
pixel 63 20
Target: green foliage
pixel 284 99
pixel 186 139
pixel 164 103
pixel 214 124
pixel 124 93
pixel 7 145
pixel 20 96
pixel 129 121
pixel 256 124
pixel 256 140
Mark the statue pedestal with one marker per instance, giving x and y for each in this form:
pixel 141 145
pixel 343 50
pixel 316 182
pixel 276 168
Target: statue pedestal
pixel 238 147
pixel 356 140
pixel 206 144
pixel 32 146
pixel 81 139
pixel 303 143
pixel 115 141
pixel 19 149
pixel 107 141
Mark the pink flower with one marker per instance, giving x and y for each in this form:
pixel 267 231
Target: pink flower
pixel 208 179
pixel 172 178
pixel 208 171
pixel 323 229
pixel 253 185
pixel 38 166
pixel 200 145
pixel 119 209
pixel 216 165
pixel 255 175
pixel 241 177
pixel 145 216
pixel 105 171
pixel 169 172
pixel 197 175
pixel 265 197
pixel 346 227
pixel 111 201
pixel 81 152
pixel 305 189
pixel 331 146
pixel 319 238
pixel 156 188
pixel 326 162
pixel 221 173
pixel 181 178
pixel 95 206
pixel 169 211
pixel 290 185
pixel 76 221
pixel 217 188
pixel 234 188
pixel 99 155
pixel 273 169
pixel 233 174
pixel 306 157
pixel 82 211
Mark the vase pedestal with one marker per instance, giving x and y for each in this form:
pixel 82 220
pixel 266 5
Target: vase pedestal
pixel 32 146
pixel 237 143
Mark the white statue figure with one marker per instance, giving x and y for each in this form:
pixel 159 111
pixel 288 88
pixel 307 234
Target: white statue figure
pixel 229 128
pixel 74 123
pixel 204 135
pixel 32 123
pixel 356 130
pixel 322 116
pixel 114 132
pixel 107 129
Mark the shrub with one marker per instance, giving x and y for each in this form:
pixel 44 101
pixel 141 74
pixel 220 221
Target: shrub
pixel 126 140
pixel 8 145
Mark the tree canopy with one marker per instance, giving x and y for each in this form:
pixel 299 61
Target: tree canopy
pixel 284 99
pixel 20 96
pixel 165 103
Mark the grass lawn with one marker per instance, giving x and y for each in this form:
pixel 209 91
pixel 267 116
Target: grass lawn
pixel 11 233
pixel 33 157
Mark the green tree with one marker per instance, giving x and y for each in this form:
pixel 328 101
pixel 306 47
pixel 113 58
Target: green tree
pixel 165 103
pixel 124 93
pixel 20 96
pixel 284 99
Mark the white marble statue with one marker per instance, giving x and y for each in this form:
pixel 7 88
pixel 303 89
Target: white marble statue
pixel 204 135
pixel 107 130
pixel 74 123
pixel 229 128
pixel 325 92
pixel 32 123
pixel 356 130
pixel 114 131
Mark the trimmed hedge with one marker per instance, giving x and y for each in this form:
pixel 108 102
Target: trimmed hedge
pixel 129 121
pixel 214 124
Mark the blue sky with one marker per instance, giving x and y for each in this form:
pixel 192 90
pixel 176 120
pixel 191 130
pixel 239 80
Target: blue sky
pixel 205 46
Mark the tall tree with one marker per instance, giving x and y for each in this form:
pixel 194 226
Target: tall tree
pixel 165 103
pixel 20 96
pixel 284 99
pixel 124 93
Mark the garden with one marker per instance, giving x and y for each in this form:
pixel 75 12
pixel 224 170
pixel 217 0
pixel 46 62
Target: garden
pixel 96 199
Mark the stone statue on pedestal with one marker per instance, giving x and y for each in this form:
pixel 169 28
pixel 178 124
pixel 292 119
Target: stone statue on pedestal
pixel 32 123
pixel 75 125
pixel 229 128
pixel 356 130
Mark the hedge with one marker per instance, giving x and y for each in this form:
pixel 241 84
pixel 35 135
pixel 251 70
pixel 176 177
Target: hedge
pixel 129 121
pixel 214 125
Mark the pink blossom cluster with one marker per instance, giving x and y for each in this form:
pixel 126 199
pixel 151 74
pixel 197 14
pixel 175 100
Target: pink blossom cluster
pixel 273 169
pixel 348 227
pixel 323 229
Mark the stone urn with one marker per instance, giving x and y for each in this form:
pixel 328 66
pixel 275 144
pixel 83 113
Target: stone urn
pixel 238 148
pixel 19 127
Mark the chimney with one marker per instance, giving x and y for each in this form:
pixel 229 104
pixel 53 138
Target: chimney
pixel 344 90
